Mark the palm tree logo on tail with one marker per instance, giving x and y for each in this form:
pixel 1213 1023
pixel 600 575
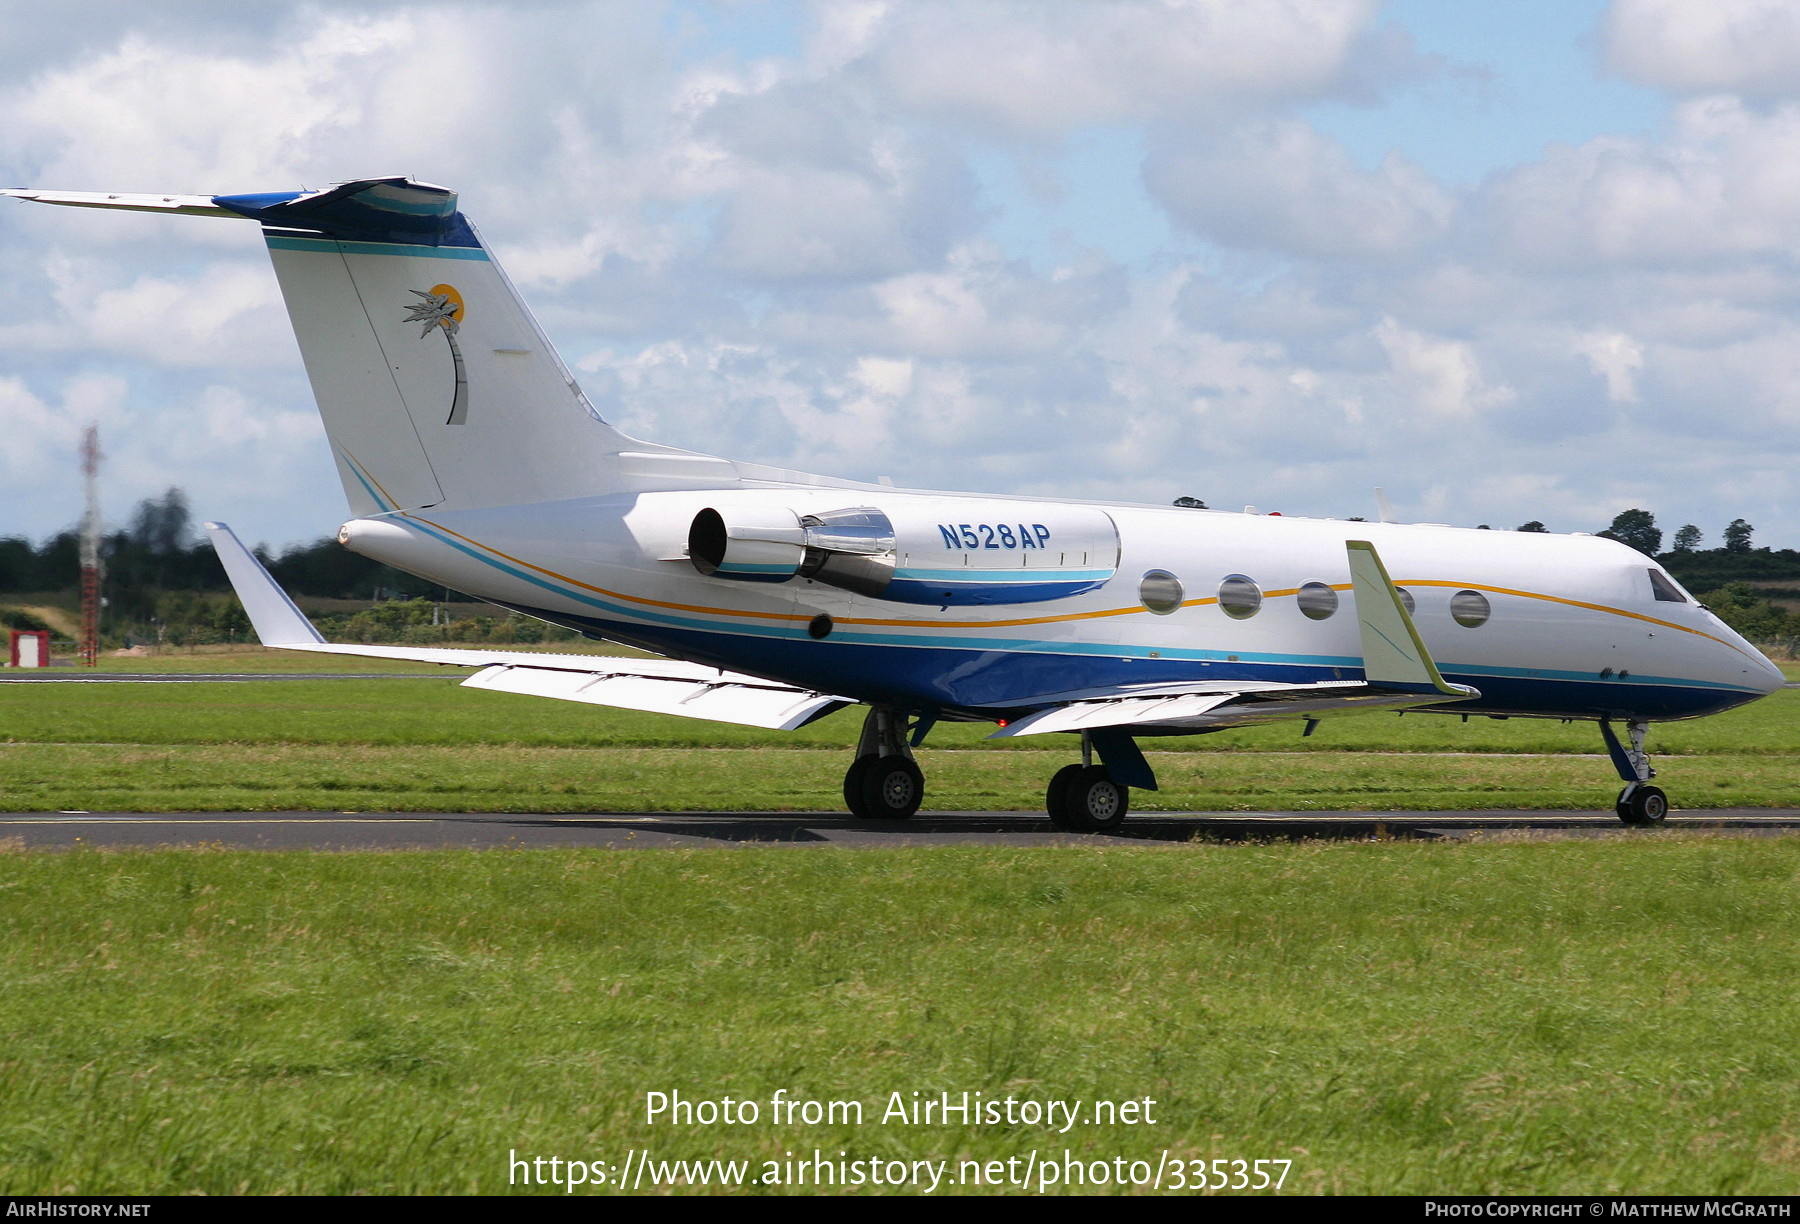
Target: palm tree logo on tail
pixel 442 307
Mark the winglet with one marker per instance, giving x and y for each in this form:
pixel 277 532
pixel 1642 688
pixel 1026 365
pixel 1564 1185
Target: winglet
pixel 278 622
pixel 1394 656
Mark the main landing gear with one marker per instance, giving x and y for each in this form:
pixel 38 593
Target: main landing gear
pixel 1084 798
pixel 1639 803
pixel 884 782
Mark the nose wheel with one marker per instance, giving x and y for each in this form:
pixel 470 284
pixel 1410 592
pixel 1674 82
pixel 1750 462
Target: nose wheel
pixel 1642 804
pixel 1639 804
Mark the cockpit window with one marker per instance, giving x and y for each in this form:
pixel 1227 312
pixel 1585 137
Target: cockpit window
pixel 1666 591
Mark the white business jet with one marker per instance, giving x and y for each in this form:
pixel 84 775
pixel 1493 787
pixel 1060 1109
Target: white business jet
pixel 472 459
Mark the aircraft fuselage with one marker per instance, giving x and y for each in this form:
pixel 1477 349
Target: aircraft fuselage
pixel 1543 625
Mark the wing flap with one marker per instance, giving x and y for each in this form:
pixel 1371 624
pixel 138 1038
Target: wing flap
pixel 1214 710
pixel 715 696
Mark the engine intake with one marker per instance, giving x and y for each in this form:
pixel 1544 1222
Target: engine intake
pixel 759 544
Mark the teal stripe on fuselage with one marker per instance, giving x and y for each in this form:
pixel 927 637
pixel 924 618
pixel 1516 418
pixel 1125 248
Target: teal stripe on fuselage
pixel 287 242
pixel 986 576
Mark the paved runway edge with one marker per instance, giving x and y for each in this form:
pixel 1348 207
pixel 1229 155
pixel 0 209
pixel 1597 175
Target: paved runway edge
pixel 631 830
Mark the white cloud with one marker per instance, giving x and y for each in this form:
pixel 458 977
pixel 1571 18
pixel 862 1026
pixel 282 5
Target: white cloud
pixel 1281 185
pixel 225 315
pixel 1042 68
pixel 1617 358
pixel 1706 46
pixel 1442 378
pixel 1725 183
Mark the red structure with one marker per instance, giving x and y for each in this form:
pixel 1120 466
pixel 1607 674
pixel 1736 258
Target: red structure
pixel 30 648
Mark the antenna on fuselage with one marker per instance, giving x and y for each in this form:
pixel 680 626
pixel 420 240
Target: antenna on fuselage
pixel 1384 507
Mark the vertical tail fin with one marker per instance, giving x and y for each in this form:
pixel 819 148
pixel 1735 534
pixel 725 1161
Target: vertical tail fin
pixel 435 383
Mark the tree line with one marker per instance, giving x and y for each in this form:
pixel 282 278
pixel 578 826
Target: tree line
pixel 162 582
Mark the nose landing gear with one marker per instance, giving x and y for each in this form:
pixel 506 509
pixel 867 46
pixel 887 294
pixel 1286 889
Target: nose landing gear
pixel 1639 803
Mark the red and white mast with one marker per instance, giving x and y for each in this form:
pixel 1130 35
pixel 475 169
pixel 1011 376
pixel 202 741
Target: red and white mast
pixel 90 549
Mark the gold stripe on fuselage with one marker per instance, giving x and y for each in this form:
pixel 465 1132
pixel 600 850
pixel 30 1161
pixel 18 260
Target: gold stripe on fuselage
pixel 1018 622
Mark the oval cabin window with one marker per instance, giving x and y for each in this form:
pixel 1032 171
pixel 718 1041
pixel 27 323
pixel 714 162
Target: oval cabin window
pixel 1317 601
pixel 1239 597
pixel 1412 605
pixel 1160 591
pixel 1470 609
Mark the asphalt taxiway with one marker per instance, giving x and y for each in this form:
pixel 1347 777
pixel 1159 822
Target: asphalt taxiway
pixel 625 830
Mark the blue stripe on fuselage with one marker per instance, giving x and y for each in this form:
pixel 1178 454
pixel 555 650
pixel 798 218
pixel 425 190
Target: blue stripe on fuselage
pixel 996 681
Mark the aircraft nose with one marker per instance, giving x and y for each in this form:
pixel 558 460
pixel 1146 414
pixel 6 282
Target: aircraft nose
pixel 1747 667
pixel 1770 677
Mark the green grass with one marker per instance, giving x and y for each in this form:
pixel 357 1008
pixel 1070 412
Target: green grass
pixel 286 777
pixel 423 744
pixel 1570 1018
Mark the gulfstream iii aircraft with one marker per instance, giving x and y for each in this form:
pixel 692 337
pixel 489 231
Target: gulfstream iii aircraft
pixel 472 459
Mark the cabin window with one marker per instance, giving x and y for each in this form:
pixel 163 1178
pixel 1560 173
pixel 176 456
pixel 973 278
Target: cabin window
pixel 1240 597
pixel 1160 591
pixel 1406 598
pixel 1666 591
pixel 1470 609
pixel 1317 601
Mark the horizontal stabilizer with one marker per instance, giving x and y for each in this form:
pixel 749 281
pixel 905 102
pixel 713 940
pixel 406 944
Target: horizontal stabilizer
pixel 186 205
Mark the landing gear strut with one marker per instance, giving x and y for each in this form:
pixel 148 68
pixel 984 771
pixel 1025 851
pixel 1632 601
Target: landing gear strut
pixel 1084 798
pixel 1639 803
pixel 883 783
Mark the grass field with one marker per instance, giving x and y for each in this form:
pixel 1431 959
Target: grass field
pixel 1482 1019
pixel 423 745
pixel 1486 1017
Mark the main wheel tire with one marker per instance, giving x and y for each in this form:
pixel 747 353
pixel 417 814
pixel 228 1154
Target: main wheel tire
pixel 853 786
pixel 1642 804
pixel 1093 802
pixel 1056 798
pixel 892 788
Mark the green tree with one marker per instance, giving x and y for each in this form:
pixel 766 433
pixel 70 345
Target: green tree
pixel 1636 529
pixel 1533 525
pixel 1737 536
pixel 1687 539
pixel 1739 605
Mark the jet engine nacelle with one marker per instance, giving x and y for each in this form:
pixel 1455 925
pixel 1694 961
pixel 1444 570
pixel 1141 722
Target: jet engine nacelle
pixel 940 551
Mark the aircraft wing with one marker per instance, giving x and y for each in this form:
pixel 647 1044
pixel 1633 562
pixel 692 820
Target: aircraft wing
pixel 662 686
pixel 1399 674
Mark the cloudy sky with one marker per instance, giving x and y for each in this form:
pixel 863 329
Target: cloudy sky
pixel 1523 261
